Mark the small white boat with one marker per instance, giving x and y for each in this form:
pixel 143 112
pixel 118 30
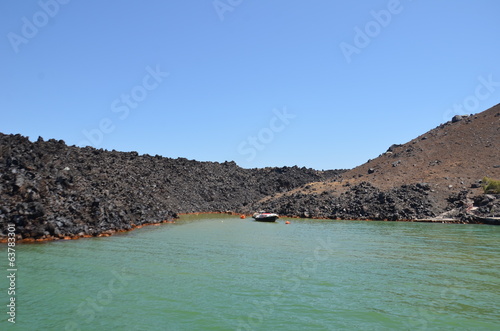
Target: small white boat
pixel 265 217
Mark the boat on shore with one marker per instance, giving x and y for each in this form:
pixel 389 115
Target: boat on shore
pixel 265 217
pixel 488 220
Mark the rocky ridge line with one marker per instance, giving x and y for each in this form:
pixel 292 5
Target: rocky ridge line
pixel 50 190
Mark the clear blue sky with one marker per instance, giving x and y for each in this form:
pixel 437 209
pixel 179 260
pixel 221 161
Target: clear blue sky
pixel 322 84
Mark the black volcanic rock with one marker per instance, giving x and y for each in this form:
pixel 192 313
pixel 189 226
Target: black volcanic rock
pixel 49 189
pixel 362 201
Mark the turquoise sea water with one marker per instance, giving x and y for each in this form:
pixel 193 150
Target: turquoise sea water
pixel 214 272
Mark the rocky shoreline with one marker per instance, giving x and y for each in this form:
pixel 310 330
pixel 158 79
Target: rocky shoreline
pixel 414 202
pixel 51 191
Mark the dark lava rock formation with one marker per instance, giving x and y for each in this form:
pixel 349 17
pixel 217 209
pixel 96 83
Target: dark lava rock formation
pixel 362 201
pixel 51 190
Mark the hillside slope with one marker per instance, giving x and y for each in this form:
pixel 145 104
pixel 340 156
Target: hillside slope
pixel 457 154
pixel 51 190
pixel 418 179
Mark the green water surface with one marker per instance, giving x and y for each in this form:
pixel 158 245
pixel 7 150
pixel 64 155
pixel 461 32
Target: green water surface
pixel 214 272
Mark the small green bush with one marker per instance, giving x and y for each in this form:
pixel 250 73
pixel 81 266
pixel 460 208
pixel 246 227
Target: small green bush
pixel 491 186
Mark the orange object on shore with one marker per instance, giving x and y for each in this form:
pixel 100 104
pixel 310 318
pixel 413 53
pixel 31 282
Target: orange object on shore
pixel 243 217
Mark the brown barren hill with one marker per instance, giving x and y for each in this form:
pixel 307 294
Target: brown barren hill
pixel 452 157
pixel 436 174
